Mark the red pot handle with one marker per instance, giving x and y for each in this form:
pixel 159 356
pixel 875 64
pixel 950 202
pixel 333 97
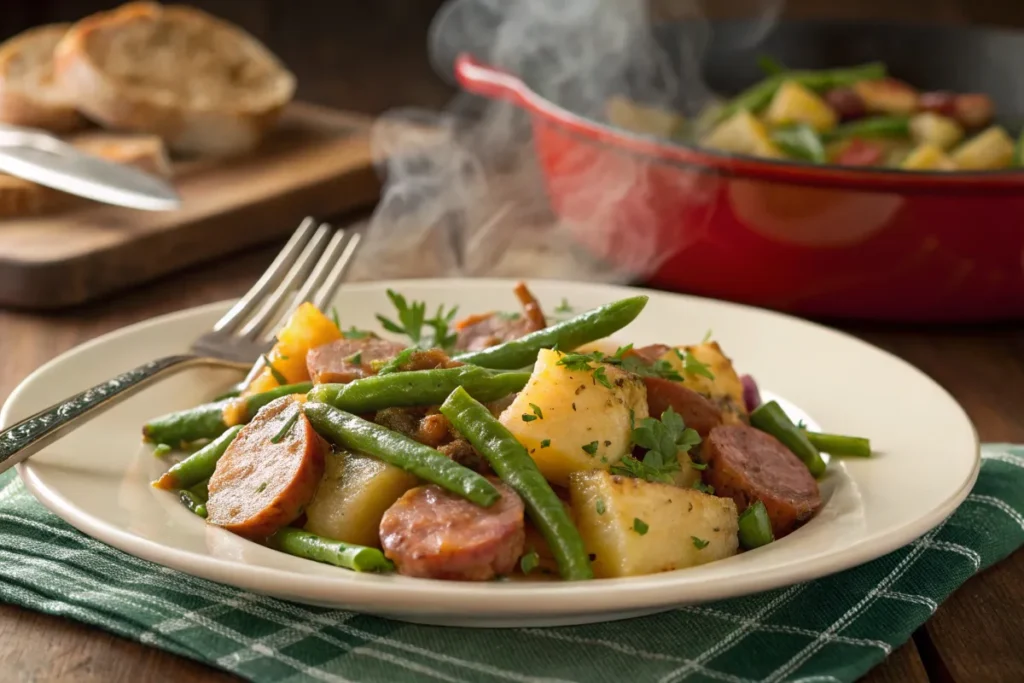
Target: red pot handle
pixel 481 79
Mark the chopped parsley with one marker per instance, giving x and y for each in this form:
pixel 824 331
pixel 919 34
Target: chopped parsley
pixel 700 466
pixel 355 333
pixel 699 543
pixel 161 450
pixel 599 376
pixel 600 506
pixel 529 561
pixel 396 363
pixel 663 439
pixel 276 438
pixel 505 315
pixel 706 488
pixel 536 411
pixel 529 418
pixel 261 488
pixel 579 362
pixel 334 317
pixel 356 358
pixel 590 448
pixel 636 365
pixel 707 337
pixel 274 372
pixel 412 318
pixel 564 307
pixel 640 526
pixel 693 366
pixel 545 443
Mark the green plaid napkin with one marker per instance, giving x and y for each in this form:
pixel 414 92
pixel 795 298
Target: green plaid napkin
pixel 830 630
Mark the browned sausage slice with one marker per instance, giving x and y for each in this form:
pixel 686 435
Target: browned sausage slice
pixel 490 329
pixel 696 410
pixel 746 464
pixel 346 360
pixel 431 533
pixel 269 472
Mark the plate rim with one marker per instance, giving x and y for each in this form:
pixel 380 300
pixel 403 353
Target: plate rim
pixel 511 599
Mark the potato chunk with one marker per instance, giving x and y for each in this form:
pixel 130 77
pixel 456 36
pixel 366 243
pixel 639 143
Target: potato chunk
pixel 742 133
pixel 635 527
pixel 725 390
pixel 928 157
pixel 579 423
pixel 307 329
pixel 991 149
pixel 794 103
pixel 941 131
pixel 355 492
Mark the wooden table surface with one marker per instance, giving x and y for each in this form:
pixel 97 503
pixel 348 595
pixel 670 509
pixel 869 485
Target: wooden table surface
pixel 975 637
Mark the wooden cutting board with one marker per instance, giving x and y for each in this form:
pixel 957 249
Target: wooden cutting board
pixel 316 162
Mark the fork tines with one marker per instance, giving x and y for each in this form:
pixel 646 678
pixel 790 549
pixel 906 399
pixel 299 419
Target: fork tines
pixel 310 267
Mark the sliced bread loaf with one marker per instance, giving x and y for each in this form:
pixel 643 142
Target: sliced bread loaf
pixel 203 85
pixel 19 197
pixel 29 94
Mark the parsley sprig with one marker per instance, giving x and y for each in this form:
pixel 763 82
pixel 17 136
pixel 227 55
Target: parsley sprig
pixel 412 319
pixel 693 366
pixel 663 440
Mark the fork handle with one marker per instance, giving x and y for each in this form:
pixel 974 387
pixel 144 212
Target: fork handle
pixel 25 438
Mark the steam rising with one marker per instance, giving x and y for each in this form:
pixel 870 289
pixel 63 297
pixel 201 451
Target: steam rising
pixel 463 194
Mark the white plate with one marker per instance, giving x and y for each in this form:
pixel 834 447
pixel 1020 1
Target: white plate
pixel 98 477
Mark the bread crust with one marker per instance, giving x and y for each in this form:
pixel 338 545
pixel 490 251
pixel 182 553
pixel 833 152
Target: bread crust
pixel 21 104
pixel 219 128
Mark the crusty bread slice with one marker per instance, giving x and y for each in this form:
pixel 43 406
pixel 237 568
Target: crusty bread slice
pixel 29 94
pixel 205 86
pixel 19 197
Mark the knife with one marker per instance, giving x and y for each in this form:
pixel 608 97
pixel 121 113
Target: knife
pixel 44 159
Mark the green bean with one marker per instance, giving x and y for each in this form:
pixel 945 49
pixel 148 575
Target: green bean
pixel 207 421
pixel 756 97
pixel 417 388
pixel 873 127
pixel 769 417
pixel 301 543
pixel 800 141
pixel 769 65
pixel 201 490
pixel 396 449
pixel 198 466
pixel 516 468
pixel 192 502
pixel 839 445
pixel 755 526
pixel 567 335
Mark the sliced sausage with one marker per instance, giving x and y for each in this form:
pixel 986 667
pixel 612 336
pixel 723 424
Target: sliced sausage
pixel 434 534
pixel 649 354
pixel 696 410
pixel 269 473
pixel 747 465
pixel 346 360
pixel 490 329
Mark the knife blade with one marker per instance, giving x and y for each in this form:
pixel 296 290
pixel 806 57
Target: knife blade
pixel 46 160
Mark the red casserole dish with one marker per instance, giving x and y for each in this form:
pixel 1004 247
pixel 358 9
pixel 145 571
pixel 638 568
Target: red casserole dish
pixel 823 241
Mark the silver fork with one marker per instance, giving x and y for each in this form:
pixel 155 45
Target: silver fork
pixel 310 267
